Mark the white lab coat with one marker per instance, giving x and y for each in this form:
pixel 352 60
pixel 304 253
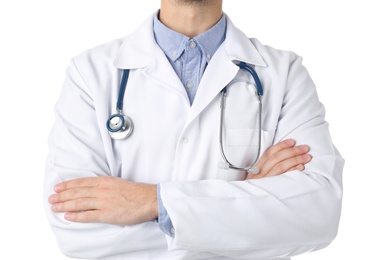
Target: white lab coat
pixel 215 213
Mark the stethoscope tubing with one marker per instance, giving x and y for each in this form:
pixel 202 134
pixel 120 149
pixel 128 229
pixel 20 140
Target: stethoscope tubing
pixel 122 89
pixel 125 126
pixel 118 125
pixel 256 78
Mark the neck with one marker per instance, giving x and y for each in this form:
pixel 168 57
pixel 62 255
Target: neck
pixel 190 18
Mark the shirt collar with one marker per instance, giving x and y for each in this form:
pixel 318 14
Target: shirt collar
pixel 140 50
pixel 173 43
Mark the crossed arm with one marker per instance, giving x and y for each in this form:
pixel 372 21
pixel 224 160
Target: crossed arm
pixel 118 201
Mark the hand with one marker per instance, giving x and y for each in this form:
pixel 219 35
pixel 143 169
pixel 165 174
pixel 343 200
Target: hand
pixel 281 158
pixel 105 199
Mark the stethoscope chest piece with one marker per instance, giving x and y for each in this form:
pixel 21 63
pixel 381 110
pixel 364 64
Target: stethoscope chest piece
pixel 119 126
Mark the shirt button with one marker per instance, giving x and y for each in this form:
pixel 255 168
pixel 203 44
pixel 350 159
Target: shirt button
pixel 192 44
pixel 190 85
pixel 172 230
pixel 208 56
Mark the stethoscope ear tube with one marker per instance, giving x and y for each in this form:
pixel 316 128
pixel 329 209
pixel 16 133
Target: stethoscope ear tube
pixel 226 164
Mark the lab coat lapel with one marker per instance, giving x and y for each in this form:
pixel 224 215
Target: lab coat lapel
pixel 222 69
pixel 163 74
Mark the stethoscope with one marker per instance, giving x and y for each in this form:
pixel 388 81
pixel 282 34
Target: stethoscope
pixel 121 126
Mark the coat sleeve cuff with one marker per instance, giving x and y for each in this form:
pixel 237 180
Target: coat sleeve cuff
pixel 163 220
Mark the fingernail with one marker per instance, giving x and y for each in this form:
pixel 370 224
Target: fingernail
pixel 290 141
pixel 304 147
pixel 57 188
pixel 307 157
pixel 52 198
pixel 68 216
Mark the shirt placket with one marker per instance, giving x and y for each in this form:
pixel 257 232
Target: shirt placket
pixel 191 68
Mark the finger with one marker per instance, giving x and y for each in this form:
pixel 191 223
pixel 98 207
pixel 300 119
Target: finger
pixel 76 205
pixel 285 165
pixel 283 155
pixel 77 183
pixel 299 167
pixel 84 216
pixel 275 149
pixel 73 194
pixel 251 176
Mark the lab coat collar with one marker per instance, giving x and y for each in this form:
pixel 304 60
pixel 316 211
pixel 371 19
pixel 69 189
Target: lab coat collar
pixel 240 48
pixel 139 49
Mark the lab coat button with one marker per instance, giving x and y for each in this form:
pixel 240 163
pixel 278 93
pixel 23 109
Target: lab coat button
pixel 185 140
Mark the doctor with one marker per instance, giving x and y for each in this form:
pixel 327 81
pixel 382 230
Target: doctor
pixel 161 193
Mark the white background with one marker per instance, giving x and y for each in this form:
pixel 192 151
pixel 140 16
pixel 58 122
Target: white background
pixel 345 46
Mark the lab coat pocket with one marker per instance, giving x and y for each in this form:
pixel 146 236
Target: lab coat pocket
pixel 242 147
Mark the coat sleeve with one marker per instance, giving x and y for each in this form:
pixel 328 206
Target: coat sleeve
pixel 76 149
pixel 277 216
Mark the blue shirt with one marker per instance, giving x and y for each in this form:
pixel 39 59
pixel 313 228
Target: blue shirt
pixel 189 59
